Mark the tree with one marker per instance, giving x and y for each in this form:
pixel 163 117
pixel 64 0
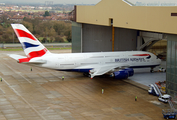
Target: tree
pixel 24 18
pixel 44 40
pixel 59 27
pixel 46 13
pixel 59 39
pixel 35 23
pixel 68 35
pixel 4 18
pixel 52 32
pixel 47 31
pixel 1 30
pixel 5 38
pixel 28 25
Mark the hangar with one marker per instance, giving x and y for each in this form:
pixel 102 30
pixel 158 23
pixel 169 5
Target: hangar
pixel 118 25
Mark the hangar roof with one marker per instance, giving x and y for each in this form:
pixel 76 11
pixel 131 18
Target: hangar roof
pixel 149 18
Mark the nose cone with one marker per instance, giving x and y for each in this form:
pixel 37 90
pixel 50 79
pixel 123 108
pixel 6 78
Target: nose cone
pixel 159 61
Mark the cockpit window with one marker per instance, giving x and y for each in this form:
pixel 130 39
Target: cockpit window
pixel 148 57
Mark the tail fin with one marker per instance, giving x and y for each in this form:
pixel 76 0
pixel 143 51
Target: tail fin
pixel 31 45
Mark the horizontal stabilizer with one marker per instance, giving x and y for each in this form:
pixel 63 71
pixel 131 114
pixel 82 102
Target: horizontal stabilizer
pixel 16 57
pixel 23 59
pixel 36 62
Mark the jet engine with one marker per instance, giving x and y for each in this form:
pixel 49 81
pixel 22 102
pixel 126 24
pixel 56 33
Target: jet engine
pixel 121 74
pixel 124 74
pixel 130 71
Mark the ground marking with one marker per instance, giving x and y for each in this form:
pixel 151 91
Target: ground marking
pixel 23 99
pixel 45 110
pixel 2 90
pixel 18 73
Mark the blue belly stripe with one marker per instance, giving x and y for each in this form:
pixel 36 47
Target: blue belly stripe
pixel 87 69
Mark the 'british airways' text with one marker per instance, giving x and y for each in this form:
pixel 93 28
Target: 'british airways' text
pixel 129 59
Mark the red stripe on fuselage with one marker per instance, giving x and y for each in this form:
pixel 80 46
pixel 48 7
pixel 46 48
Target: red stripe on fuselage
pixel 33 55
pixel 37 53
pixel 141 55
pixel 23 60
pixel 22 33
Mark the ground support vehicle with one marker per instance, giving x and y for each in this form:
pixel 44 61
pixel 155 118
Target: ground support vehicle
pixel 169 113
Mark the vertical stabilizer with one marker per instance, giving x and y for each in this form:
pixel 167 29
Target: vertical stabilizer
pixel 31 45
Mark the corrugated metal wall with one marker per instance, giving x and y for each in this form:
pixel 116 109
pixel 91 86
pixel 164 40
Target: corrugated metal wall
pixel 96 38
pixel 171 73
pixel 125 39
pixel 76 37
pixel 99 38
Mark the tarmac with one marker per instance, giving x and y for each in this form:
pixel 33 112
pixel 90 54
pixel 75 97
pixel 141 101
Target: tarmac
pixel 143 75
pixel 41 94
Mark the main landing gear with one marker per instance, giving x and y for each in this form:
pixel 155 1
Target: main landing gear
pixel 152 69
pixel 87 74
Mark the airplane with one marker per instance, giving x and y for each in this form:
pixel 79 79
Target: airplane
pixel 116 64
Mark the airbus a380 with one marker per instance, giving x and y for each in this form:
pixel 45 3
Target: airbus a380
pixel 117 64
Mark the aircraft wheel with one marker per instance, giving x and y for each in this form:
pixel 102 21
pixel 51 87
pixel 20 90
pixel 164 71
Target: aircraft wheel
pixel 151 71
pixel 85 74
pixel 89 75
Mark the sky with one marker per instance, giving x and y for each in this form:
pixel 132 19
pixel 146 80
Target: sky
pixel 81 1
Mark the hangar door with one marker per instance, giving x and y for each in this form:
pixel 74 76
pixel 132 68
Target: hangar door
pixel 96 38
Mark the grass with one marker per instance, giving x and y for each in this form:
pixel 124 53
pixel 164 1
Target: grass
pixel 20 49
pixel 11 49
pixel 62 48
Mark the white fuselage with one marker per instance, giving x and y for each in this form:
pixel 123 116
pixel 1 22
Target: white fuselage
pixel 95 64
pixel 86 61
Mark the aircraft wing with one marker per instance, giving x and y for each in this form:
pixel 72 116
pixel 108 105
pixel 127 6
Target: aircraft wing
pixel 102 69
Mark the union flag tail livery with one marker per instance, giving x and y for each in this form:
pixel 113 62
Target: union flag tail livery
pixel 116 64
pixel 31 46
